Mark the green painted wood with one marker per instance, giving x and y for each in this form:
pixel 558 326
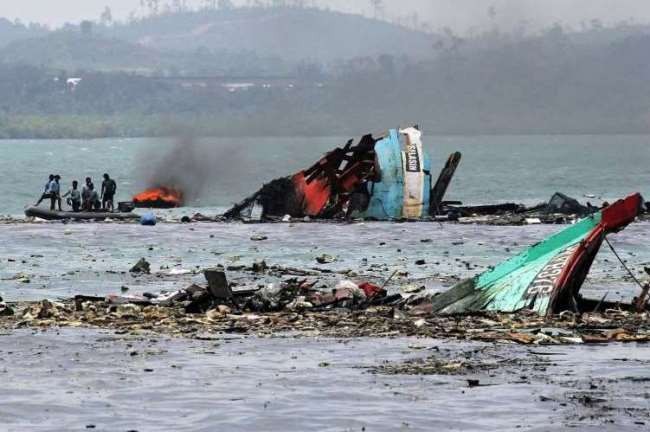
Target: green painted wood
pixel 507 287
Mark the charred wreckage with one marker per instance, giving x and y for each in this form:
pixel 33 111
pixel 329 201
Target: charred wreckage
pixel 388 176
pixel 382 177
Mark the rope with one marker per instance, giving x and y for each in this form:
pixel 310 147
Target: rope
pixel 389 279
pixel 623 264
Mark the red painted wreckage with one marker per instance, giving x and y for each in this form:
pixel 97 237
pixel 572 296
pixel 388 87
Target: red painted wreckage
pixel 573 274
pixel 385 177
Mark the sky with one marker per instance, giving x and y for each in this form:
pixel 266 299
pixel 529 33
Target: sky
pixel 460 15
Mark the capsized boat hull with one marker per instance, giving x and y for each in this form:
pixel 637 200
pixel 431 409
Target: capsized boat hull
pixel 404 186
pixel 545 278
pixel 66 215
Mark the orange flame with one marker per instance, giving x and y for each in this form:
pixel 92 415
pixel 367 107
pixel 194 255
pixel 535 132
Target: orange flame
pixel 159 197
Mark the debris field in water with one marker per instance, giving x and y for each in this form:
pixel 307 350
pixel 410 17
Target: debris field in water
pixel 304 319
pixel 365 309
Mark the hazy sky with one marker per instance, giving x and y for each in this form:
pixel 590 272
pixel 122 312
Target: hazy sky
pixel 460 15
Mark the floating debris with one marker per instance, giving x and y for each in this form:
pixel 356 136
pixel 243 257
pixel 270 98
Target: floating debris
pixel 325 259
pixel 5 310
pixel 142 266
pixel 526 328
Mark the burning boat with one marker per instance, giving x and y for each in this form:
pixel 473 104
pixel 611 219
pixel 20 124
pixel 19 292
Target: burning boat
pixel 548 276
pixel 159 197
pixel 383 177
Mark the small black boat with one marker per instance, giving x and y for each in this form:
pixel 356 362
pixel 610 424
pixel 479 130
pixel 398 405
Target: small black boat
pixel 70 215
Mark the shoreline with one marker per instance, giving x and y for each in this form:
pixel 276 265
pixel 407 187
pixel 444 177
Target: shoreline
pixel 442 134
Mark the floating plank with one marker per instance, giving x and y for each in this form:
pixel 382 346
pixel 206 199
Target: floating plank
pixel 442 184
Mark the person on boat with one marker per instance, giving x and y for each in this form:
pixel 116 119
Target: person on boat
pixel 109 187
pixel 56 190
pixel 86 192
pixel 75 196
pixel 95 203
pixel 47 193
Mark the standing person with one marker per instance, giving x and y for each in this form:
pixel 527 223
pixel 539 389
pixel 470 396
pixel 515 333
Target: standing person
pixel 86 192
pixel 46 191
pixel 109 187
pixel 75 196
pixel 56 191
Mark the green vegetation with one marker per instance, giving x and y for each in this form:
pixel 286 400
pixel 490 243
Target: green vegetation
pixel 291 33
pixel 13 31
pixel 215 72
pixel 155 125
pixel 72 50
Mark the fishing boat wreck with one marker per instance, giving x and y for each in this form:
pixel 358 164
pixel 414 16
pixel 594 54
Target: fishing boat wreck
pixel 388 177
pixel 547 277
pixel 382 177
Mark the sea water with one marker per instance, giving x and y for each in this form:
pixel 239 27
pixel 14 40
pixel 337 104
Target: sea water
pixel 80 379
pixel 526 169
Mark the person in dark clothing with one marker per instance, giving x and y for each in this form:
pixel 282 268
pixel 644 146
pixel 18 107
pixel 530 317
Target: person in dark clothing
pixel 109 187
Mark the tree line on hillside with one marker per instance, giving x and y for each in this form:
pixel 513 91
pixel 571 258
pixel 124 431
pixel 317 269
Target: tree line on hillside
pixel 553 82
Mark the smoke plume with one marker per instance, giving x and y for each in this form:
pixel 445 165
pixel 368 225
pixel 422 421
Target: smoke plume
pixel 191 166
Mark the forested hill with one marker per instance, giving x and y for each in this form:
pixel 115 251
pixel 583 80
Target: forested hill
pixel 289 33
pixel 12 31
pixel 71 50
pixel 239 41
pixel 139 78
pixel 68 50
pixel 251 40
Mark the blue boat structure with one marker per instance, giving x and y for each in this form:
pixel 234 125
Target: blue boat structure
pixel 403 188
pixel 382 177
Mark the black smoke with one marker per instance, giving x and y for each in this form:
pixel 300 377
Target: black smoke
pixel 191 165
